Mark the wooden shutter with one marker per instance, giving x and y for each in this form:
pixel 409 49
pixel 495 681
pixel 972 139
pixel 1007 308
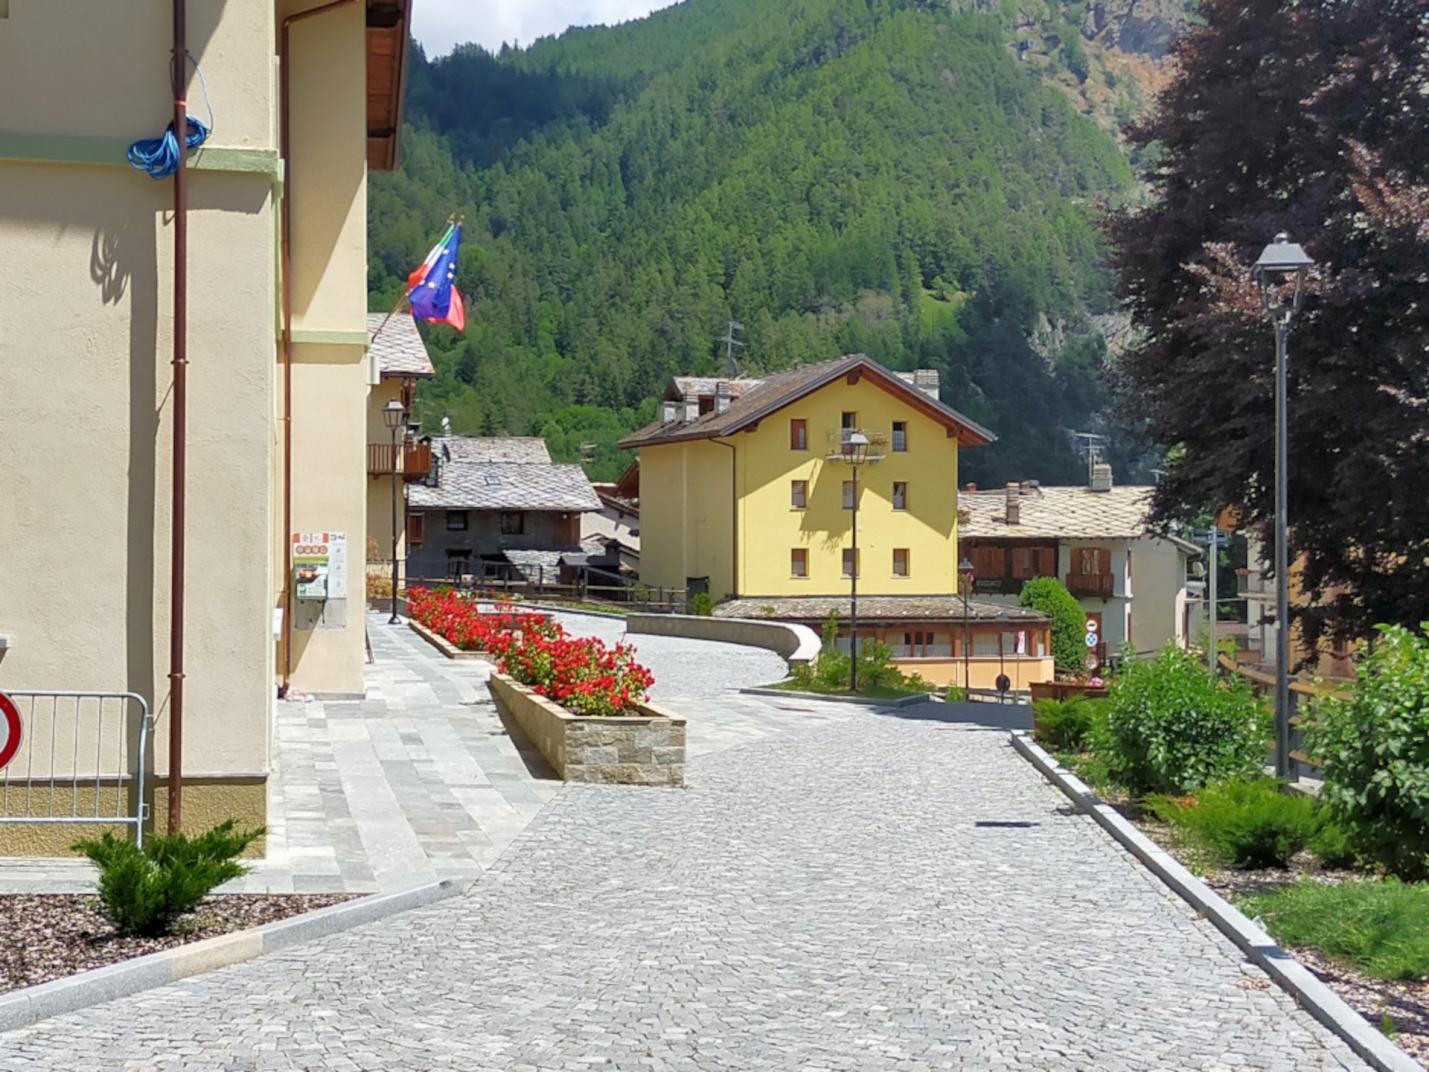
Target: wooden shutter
pixel 1104 563
pixel 416 524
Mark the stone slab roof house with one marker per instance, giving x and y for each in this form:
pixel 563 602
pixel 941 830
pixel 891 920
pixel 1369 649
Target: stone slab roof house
pixel 496 508
pixel 1131 580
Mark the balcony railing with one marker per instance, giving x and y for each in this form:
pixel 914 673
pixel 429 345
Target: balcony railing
pixel 1252 584
pixel 1090 584
pixel 412 460
pixel 839 448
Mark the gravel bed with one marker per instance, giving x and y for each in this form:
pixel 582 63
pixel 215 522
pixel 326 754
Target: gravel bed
pixel 48 937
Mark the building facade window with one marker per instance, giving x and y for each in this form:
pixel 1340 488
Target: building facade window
pixel 798 562
pixel 900 495
pixel 848 421
pixel 900 435
pixel 456 520
pixel 798 434
pixel 416 529
pixel 513 522
pixel 799 494
pixel 850 562
pixel 900 562
pixel 848 494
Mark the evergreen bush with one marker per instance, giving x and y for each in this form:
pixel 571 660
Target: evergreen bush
pixel 144 891
pixel 1243 824
pixel 1050 596
pixel 1172 728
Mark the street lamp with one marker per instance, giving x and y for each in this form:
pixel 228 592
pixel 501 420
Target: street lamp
pixel 966 577
pixel 394 416
pixel 855 454
pixel 1282 264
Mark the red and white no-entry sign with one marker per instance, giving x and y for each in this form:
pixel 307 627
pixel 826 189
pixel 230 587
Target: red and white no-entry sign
pixel 9 729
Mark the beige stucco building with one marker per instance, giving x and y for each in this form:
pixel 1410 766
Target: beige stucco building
pixel 86 317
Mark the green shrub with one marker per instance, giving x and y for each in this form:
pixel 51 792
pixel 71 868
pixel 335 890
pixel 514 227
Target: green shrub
pixel 1380 927
pixel 1171 728
pixel 702 604
pixel 1373 748
pixel 1243 824
pixel 1064 725
pixel 1332 844
pixel 955 694
pixel 1050 596
pixel 145 890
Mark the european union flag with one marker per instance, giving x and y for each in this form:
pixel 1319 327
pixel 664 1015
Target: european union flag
pixel 431 289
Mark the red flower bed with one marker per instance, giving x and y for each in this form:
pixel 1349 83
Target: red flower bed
pixel 580 673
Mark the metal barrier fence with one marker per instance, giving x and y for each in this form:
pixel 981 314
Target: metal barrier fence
pixel 583 584
pixel 1302 764
pixel 89 747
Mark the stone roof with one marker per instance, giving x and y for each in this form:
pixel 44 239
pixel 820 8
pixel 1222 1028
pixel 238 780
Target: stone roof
pixel 876 609
pixel 399 350
pixel 681 386
pixel 759 398
pixel 1057 513
pixel 501 474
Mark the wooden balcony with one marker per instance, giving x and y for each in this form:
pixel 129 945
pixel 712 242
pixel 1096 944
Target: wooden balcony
pixel 1090 584
pixel 412 460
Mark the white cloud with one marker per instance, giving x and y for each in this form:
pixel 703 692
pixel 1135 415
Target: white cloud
pixel 440 24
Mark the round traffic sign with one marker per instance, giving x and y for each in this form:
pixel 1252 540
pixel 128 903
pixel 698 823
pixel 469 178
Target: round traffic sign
pixel 1092 625
pixel 1092 662
pixel 1092 640
pixel 9 729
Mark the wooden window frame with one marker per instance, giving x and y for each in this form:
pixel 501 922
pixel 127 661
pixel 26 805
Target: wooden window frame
pixel 798 494
pixel 798 433
pixel 843 562
pixel 893 495
pixel 416 529
pixel 799 557
pixel 907 562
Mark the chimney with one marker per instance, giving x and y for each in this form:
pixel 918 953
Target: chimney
pixel 1014 504
pixel 722 396
pixel 692 408
pixel 926 380
pixel 1101 477
pixel 667 413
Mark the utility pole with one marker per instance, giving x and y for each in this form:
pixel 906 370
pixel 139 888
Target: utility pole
pixel 1213 553
pixel 730 342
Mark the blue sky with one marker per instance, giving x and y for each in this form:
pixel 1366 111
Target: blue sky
pixel 440 24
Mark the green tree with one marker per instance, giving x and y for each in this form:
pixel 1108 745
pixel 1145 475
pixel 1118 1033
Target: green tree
pixel 1051 597
pixel 1336 152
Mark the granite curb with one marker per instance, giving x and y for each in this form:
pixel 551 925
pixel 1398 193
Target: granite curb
pixel 1293 977
pixel 20 1008
pixel 862 701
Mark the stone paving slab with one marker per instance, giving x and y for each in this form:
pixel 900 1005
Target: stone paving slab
pixel 422 780
pixel 875 892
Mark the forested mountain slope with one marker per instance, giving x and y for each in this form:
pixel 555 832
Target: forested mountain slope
pixel 886 176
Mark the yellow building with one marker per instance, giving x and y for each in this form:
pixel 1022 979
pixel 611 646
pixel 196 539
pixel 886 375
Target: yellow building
pixel 747 493
pixel 305 97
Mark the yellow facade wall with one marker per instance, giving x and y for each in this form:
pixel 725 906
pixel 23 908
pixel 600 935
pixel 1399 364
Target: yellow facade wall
pixel 684 523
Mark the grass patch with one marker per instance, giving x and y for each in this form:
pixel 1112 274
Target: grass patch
pixel 1380 928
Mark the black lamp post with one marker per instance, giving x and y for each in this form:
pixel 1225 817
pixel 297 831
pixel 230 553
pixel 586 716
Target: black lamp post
pixel 855 453
pixel 394 416
pixel 966 576
pixel 1280 274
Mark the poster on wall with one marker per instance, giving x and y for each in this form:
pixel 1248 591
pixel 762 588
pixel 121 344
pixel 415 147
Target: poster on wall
pixel 320 562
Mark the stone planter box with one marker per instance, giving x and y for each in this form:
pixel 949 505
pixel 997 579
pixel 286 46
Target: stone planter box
pixel 644 749
pixel 447 648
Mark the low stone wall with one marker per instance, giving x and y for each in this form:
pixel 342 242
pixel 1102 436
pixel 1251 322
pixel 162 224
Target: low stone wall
pixel 648 749
pixel 797 643
pixel 446 647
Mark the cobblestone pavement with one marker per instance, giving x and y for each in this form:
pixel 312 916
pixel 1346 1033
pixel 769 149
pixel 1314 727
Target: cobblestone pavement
pixel 873 892
pixel 421 780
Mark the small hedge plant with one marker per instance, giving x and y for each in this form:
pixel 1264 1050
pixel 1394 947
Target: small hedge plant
pixel 1050 596
pixel 1373 749
pixel 1066 725
pixel 1172 728
pixel 1243 824
pixel 144 891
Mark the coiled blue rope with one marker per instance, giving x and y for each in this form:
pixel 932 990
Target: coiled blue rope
pixel 160 156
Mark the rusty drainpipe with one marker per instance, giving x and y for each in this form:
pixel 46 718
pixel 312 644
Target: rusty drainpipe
pixel 180 415
pixel 285 140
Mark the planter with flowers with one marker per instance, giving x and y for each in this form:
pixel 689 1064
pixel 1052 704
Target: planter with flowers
pixel 1086 686
pixel 457 628
pixel 586 708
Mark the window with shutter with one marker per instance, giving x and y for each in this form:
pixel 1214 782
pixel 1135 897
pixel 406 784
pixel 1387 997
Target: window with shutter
pixel 416 526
